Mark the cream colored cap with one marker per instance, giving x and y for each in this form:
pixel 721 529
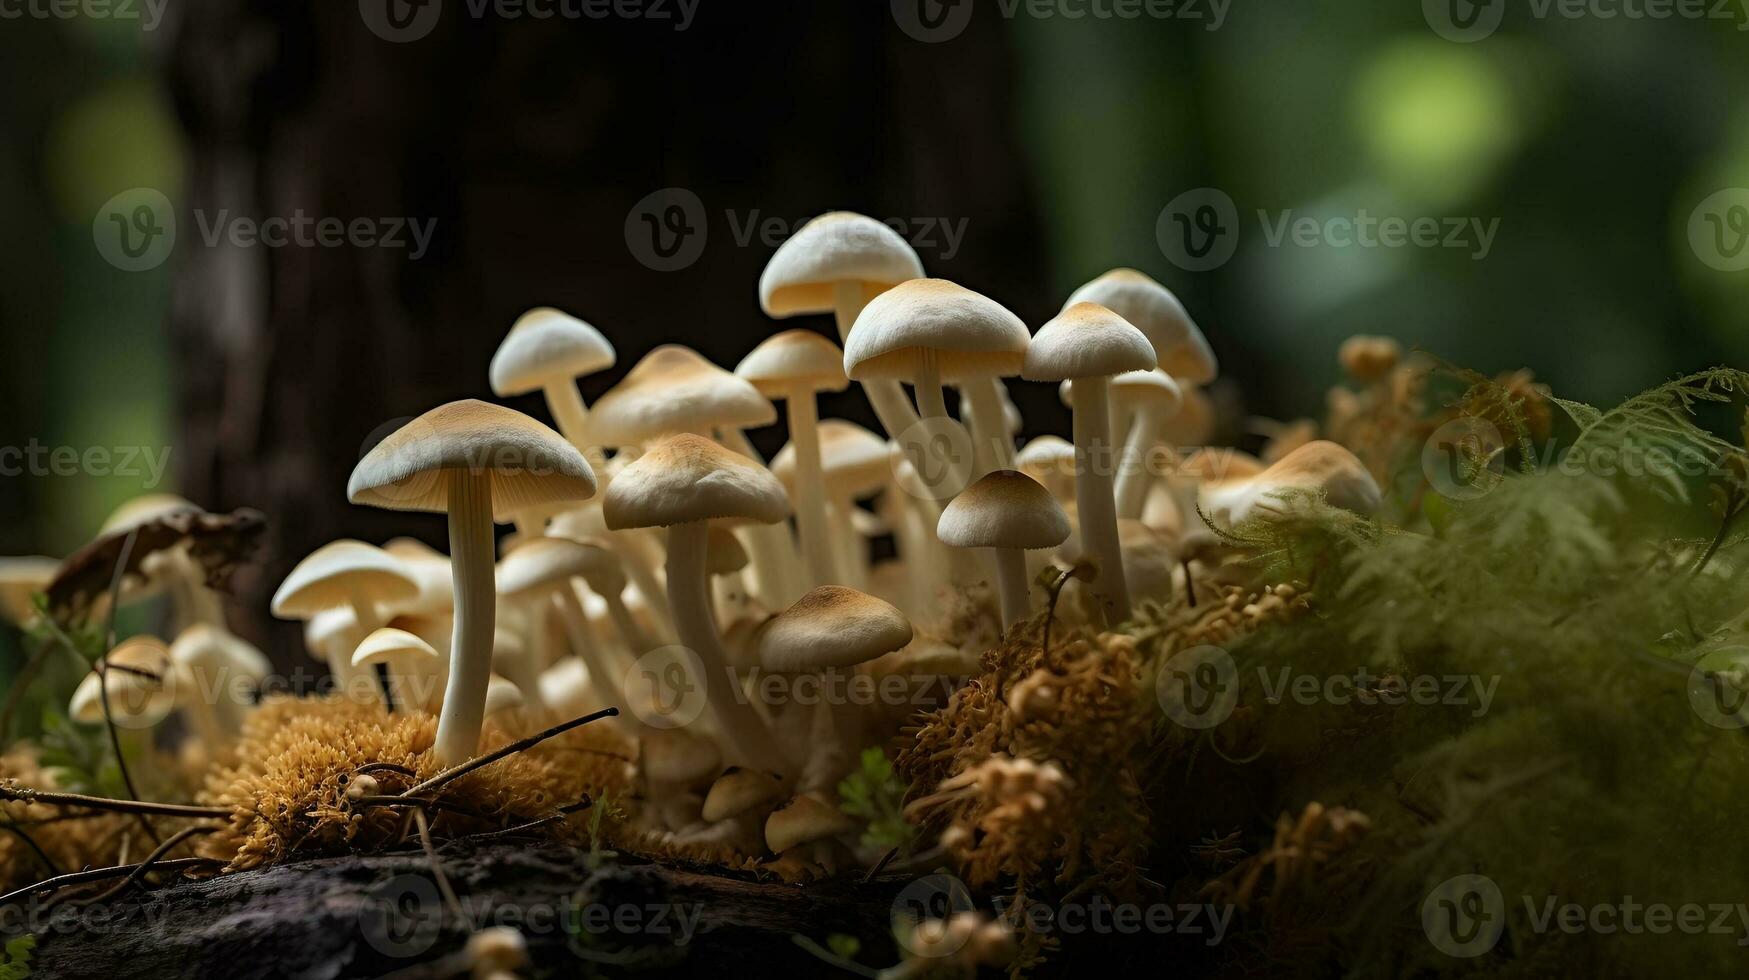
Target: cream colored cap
pixel 1087 341
pixel 738 790
pixel 203 646
pixel 528 463
pixel 831 627
pixel 672 390
pixel 970 335
pixel 539 564
pixel 686 478
pixel 804 820
pixel 854 462
pixel 1179 345
pixel 678 757
pixel 1154 389
pixel 803 274
pixel 546 346
pixel 1003 509
pixel 390 645
pixel 794 360
pixel 1051 461
pixel 336 573
pixel 140 700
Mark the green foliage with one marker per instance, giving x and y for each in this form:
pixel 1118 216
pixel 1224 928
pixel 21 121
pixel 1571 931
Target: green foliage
pixel 843 946
pixel 16 962
pixel 875 794
pixel 80 756
pixel 601 812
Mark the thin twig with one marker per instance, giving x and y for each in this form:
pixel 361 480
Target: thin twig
pixel 49 864
pixel 455 904
pixel 10 790
pixel 880 865
pixel 103 874
pixel 523 828
pixel 1734 507
pixel 121 763
pixel 145 866
pixel 520 745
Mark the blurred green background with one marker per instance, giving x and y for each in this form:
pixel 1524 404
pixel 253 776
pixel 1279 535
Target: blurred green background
pixel 1591 140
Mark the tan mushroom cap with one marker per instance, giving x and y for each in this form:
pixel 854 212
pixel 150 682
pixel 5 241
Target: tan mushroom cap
pixel 673 390
pixel 144 510
pixel 804 820
pixel 723 552
pixel 841 246
pixel 1322 466
pixel 1155 389
pixel 501 695
pixel 134 697
pixel 204 646
pixel 686 478
pixel 1179 345
pixel 971 335
pixel 679 757
pixel 539 564
pixel 335 573
pixel 738 790
pixel 1087 341
pixel 527 462
pixel 831 627
pixel 547 345
pixel 1003 509
pixel 1051 461
pixel 21 579
pixel 794 360
pixel 388 645
pixel 854 462
pixel 603 571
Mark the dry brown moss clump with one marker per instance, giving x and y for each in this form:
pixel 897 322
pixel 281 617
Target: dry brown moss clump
pixel 300 757
pixel 70 838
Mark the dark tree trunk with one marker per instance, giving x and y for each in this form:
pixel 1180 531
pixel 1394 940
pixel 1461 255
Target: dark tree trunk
pixel 528 142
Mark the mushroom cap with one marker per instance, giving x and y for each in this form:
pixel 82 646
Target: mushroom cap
pixel 687 478
pixel 336 573
pixel 804 820
pixel 672 389
pixel 792 361
pixel 527 462
pixel 203 647
pixel 831 627
pixel 854 462
pixel 538 565
pixel 723 552
pixel 144 509
pixel 388 645
pixel 1051 461
pixel 546 345
pixel 1367 358
pixel 135 698
pixel 604 574
pixel 1179 345
pixel 430 568
pixel 1087 341
pixel 1219 465
pixel 322 629
pixel 1320 465
pixel 840 246
pixel 1154 390
pixel 971 335
pixel 1003 509
pixel 502 695
pixel 21 579
pixel 679 757
pixel 738 790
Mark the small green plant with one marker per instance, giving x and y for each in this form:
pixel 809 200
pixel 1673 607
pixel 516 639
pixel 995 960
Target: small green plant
pixel 79 755
pixel 604 809
pixel 876 795
pixel 15 965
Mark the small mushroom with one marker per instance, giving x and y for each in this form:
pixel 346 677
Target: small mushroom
pixel 222 669
pixel 738 791
pixel 1051 461
pixel 547 351
pixel 143 683
pixel 855 463
pixel 1179 345
pixel 538 575
pixel 804 821
pixel 1147 399
pixel 353 575
pixel 1012 514
pixel 400 653
pixel 1319 466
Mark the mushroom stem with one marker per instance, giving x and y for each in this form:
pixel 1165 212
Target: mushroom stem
pixel 776 566
pixel 931 403
pixel 1094 503
pixel 364 614
pixel 637 640
pixel 636 552
pixel 1134 478
pixel 1011 585
pixel 804 435
pixel 604 673
pixel 572 417
pixel 995 448
pixel 852 556
pixel 745 738
pixel 470 664
pixel 827 759
pixel 887 398
pixel 524 669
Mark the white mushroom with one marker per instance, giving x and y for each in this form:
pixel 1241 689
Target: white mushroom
pixel 1008 512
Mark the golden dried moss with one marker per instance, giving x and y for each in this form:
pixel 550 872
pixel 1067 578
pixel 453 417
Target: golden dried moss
pixel 71 839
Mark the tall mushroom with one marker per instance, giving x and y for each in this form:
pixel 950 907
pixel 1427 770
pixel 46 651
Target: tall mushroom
pixel 795 366
pixel 477 462
pixel 1147 399
pixel 1180 349
pixel 357 576
pixel 855 463
pixel 1012 514
pixel 835 264
pixel 1088 344
pixel 931 332
pixel 683 483
pixel 538 574
pixel 547 351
